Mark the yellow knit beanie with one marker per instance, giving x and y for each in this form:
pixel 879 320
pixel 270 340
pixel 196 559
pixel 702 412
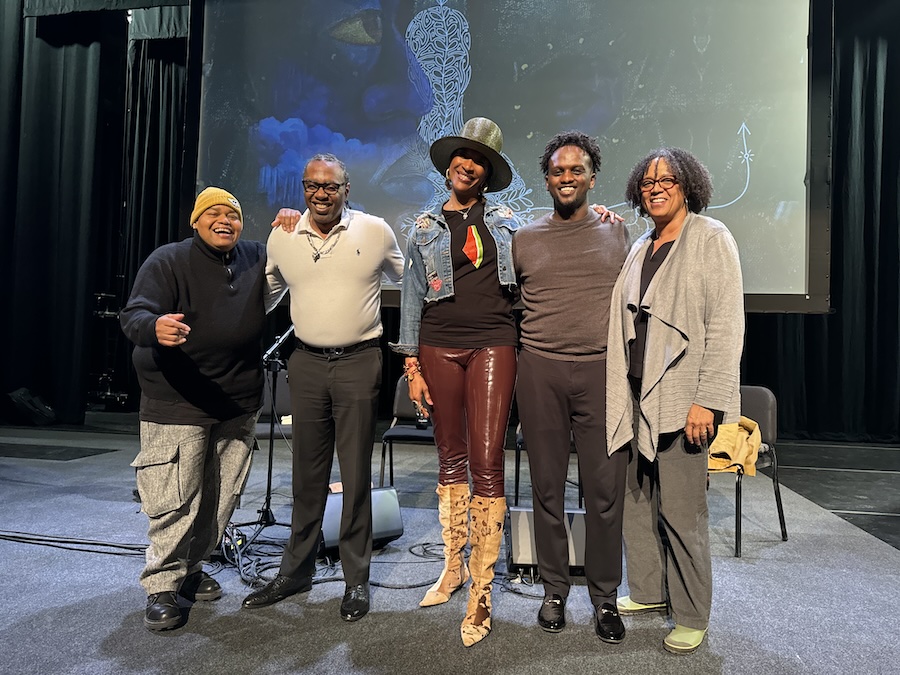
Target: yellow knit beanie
pixel 213 196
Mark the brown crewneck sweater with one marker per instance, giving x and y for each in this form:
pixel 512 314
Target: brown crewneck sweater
pixel 566 271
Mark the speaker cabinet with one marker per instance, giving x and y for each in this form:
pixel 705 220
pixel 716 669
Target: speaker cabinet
pixel 520 549
pixel 387 523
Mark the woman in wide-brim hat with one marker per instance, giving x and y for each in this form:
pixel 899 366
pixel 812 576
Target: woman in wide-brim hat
pixel 458 334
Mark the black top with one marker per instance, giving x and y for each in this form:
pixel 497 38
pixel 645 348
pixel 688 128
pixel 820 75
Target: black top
pixel 217 374
pixel 652 263
pixel 479 313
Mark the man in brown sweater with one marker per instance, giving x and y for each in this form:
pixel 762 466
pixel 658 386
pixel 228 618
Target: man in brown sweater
pixel 567 263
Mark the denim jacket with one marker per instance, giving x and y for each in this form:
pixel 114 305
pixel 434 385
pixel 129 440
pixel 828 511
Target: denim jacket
pixel 429 269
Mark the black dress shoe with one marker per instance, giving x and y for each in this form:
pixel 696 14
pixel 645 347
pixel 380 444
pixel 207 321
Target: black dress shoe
pixel 608 624
pixel 162 612
pixel 278 589
pixel 552 615
pixel 200 586
pixel 355 604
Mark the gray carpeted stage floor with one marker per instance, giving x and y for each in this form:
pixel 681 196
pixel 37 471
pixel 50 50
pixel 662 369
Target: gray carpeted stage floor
pixel 823 602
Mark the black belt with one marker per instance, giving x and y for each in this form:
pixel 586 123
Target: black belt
pixel 334 352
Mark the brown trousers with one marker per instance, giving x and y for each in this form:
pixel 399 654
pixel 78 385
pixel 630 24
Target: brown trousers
pixel 472 391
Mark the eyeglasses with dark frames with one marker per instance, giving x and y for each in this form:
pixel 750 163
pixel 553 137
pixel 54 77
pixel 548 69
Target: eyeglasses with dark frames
pixel 666 183
pixel 311 187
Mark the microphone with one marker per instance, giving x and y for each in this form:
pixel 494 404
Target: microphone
pixel 279 343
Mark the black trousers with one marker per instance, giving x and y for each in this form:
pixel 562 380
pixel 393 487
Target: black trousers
pixel 558 401
pixel 334 406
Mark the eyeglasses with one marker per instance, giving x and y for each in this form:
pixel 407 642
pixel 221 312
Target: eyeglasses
pixel 312 187
pixel 666 183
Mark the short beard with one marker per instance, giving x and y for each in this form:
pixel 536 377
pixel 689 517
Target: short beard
pixel 565 211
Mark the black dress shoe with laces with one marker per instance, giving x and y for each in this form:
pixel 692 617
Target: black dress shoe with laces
pixel 278 589
pixel 552 615
pixel 200 586
pixel 608 624
pixel 355 604
pixel 162 612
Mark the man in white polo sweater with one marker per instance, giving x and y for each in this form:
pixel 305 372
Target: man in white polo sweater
pixel 332 263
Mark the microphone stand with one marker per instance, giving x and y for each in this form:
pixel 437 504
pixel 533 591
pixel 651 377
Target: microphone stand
pixel 272 362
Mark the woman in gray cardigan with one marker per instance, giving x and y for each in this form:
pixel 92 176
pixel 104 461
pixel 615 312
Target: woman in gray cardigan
pixel 676 334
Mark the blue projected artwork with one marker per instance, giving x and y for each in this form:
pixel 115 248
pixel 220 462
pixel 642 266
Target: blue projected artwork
pixel 439 37
pixel 287 79
pixel 377 81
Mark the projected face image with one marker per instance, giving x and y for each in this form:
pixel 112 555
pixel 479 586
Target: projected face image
pixel 352 73
pixel 342 80
pixel 287 79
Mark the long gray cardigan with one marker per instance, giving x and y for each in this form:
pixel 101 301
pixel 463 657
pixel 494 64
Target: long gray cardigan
pixel 695 335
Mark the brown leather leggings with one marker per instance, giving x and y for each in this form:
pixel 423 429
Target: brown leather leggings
pixel 472 391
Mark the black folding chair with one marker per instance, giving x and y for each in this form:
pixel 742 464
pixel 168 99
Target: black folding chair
pixel 404 428
pixel 759 404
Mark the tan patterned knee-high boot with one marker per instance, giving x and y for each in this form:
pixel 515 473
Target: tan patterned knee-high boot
pixel 453 513
pixel 485 533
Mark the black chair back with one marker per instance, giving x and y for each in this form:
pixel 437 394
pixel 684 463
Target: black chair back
pixel 760 405
pixel 403 407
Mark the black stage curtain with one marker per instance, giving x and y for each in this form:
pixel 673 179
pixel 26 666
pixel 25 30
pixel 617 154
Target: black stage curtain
pixel 54 7
pixel 68 154
pixel 10 113
pixel 154 143
pixel 837 376
pixel 97 185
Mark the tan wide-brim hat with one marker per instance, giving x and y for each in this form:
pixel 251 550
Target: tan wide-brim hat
pixel 480 134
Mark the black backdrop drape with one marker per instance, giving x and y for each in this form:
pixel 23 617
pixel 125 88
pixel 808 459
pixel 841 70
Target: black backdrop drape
pixel 836 376
pixel 152 176
pixel 71 248
pixel 10 106
pixel 67 153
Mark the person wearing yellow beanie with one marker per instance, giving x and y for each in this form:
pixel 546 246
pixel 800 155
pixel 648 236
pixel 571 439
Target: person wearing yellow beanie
pixel 196 316
pixel 217 218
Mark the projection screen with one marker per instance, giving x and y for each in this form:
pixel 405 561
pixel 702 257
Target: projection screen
pixel 375 82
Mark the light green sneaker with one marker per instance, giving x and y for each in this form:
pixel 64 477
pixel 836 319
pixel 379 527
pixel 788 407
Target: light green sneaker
pixel 683 640
pixel 626 605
